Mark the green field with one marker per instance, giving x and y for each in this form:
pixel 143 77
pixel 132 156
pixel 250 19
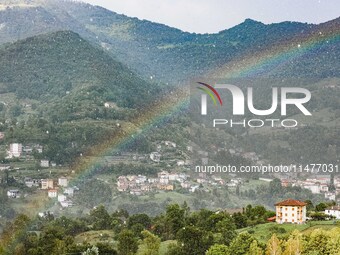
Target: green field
pixel 264 231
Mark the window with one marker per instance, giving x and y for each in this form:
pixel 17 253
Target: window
pixel 293 209
pixel 293 215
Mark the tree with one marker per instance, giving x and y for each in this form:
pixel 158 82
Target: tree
pixel 254 249
pixel 318 241
pixel 333 245
pixel 309 206
pixel 151 243
pixel 273 246
pixel 91 251
pixel 218 249
pixel 227 228
pixel 127 243
pixel 294 245
pixel 193 240
pixel 142 219
pixel 240 220
pixel 100 218
pixel 241 244
pixel 174 218
pixel 320 207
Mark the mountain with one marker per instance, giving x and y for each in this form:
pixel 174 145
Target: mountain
pixel 158 51
pixel 53 65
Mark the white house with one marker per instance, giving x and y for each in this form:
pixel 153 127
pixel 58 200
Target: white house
pixel 61 198
pixel 13 193
pixel 69 191
pixel 330 195
pixel 66 203
pixel 45 163
pixel 291 211
pixel 333 211
pixel 15 150
pixel 173 177
pixel 155 156
pixel 52 193
pixel 63 182
pixel 170 144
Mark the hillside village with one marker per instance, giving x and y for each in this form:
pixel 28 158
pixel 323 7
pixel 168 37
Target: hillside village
pixel 174 175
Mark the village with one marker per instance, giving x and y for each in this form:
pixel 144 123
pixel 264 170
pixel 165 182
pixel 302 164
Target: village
pixel 174 175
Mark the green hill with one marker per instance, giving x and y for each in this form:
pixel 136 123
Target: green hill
pixel 54 65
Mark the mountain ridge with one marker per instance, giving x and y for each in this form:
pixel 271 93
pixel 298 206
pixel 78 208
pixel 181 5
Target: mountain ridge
pixel 151 49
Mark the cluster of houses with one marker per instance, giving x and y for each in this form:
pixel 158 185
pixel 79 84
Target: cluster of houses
pixel 318 184
pixel 59 189
pixel 140 184
pixel 18 150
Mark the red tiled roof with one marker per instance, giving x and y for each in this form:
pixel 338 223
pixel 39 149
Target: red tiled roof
pixel 291 202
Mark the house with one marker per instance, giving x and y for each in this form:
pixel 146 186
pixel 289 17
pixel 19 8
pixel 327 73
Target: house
pixel 185 185
pixel 136 192
pixel 61 198
pixel 45 163
pixel 15 150
pixel 291 211
pixel 180 163
pixel 110 105
pixel 194 188
pixel 163 174
pixel 69 191
pixel 330 196
pixel 4 167
pixel 63 182
pixel 52 193
pixel 170 144
pixel 13 193
pixel 333 211
pixel 31 182
pixel 155 156
pixel 66 203
pixel 47 184
pixel 173 177
pixel 165 187
pixel 122 183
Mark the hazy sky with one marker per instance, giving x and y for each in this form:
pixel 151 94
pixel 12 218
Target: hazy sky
pixel 202 16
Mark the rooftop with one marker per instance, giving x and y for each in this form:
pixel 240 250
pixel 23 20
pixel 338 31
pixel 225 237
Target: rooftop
pixel 291 202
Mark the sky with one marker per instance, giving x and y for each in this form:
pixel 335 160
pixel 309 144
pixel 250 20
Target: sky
pixel 211 16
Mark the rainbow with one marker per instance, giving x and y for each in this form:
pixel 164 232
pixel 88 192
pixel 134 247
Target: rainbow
pixel 160 112
pixel 285 51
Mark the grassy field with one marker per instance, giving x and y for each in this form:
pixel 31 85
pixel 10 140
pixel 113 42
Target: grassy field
pixel 93 237
pixel 264 231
